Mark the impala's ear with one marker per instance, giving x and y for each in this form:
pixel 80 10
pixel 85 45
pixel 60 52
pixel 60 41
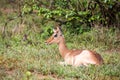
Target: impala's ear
pixel 54 30
pixel 59 29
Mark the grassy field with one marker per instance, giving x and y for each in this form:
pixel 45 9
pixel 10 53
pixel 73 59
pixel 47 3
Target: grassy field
pixel 33 60
pixel 29 58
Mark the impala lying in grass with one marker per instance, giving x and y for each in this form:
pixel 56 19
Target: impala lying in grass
pixel 73 57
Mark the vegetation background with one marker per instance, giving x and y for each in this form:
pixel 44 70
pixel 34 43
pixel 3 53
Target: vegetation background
pixel 86 24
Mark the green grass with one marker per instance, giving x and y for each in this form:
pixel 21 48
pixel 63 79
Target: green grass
pixel 33 60
pixel 20 60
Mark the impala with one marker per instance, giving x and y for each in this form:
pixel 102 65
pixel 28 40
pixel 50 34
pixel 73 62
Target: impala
pixel 73 57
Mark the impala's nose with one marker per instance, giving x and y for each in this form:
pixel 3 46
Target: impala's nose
pixel 45 42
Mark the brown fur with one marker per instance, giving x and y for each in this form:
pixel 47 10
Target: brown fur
pixel 74 57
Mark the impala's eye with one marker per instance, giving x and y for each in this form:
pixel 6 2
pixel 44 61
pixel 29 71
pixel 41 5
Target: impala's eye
pixel 55 35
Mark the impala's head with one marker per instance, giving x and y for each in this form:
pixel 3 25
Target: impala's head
pixel 56 36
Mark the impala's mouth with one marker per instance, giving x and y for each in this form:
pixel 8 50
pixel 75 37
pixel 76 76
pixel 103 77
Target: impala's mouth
pixel 46 42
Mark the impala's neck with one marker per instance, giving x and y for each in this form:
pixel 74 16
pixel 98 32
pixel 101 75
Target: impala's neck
pixel 63 48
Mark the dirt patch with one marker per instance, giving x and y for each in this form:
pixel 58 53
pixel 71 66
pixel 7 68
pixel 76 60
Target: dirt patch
pixel 10 72
pixel 7 10
pixel 44 77
pixel 110 51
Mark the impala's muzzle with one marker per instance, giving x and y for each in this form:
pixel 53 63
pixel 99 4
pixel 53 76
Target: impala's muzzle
pixel 46 42
pixel 49 41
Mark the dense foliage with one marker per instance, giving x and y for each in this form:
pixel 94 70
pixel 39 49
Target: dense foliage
pixel 77 13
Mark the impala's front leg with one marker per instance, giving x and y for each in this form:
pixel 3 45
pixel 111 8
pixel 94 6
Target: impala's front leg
pixel 66 62
pixel 63 63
